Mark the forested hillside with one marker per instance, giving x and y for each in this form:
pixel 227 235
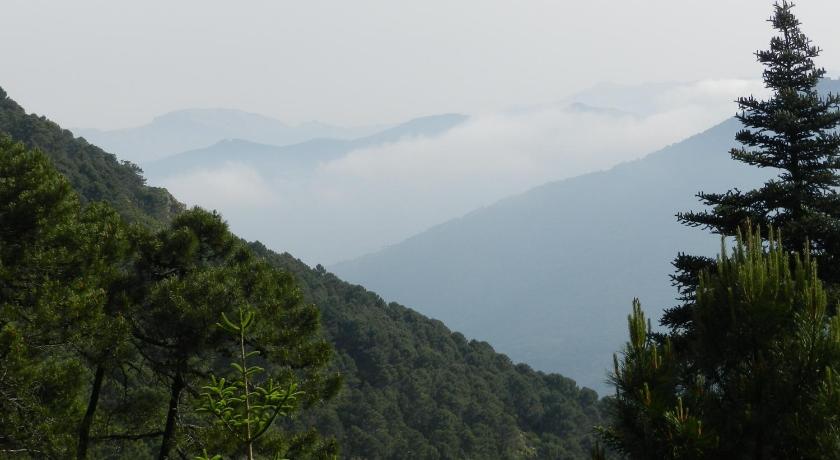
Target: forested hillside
pixel 412 387
pixel 97 175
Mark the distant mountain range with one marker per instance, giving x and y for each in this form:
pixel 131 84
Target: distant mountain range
pixel 290 161
pixel 548 276
pixel 191 129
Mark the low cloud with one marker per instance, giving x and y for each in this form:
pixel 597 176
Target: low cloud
pixel 550 142
pixel 378 196
pixel 234 185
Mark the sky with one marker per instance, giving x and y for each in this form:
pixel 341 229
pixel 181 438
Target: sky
pixel 106 64
pixel 667 69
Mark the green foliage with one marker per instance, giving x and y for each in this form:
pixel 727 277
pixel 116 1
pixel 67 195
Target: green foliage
pixel 142 314
pixel 95 174
pixel 245 408
pixel 793 131
pixel 41 297
pixel 413 388
pixel 85 296
pixel 754 379
pixel 747 366
pixel 650 419
pixel 198 271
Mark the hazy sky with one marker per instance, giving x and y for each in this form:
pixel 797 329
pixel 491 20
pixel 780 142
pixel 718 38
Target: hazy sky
pixel 110 64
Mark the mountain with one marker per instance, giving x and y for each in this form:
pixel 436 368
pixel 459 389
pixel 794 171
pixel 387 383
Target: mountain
pixel 293 160
pixel 548 276
pixel 183 130
pixel 413 387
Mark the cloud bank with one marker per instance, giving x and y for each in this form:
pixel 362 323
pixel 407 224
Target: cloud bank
pixel 381 195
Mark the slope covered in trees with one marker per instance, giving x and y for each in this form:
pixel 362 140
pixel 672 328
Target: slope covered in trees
pixel 412 387
pixel 96 175
pixel 107 330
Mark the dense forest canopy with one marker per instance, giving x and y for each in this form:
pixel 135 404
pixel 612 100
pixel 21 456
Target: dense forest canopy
pixel 410 384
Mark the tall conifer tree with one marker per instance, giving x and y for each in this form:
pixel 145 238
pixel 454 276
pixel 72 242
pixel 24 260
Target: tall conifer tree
pixel 792 131
pixel 748 368
pixel 44 301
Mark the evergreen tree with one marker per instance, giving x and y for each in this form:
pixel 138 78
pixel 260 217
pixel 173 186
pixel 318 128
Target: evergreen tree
pixel 246 406
pixel 747 367
pixel 108 253
pixel 196 271
pixel 792 131
pixel 756 379
pixel 47 302
pixel 95 314
pixel 64 276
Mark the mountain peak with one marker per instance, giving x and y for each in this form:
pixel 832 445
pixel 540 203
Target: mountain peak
pixel 427 126
pixel 214 116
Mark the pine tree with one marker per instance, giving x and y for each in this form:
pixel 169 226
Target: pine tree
pixel 247 405
pixel 103 325
pixel 64 274
pixel 748 365
pixel 107 253
pixel 44 299
pixel 197 270
pixel 792 131
pixel 756 379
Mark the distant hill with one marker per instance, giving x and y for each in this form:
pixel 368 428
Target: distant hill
pixel 191 129
pixel 293 160
pixel 414 388
pixel 548 276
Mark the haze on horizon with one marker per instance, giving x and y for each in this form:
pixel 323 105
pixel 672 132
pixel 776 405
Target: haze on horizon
pixel 106 65
pixel 671 69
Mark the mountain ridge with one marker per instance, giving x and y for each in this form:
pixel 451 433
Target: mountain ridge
pixel 189 129
pixel 294 159
pixel 525 257
pixel 543 248
pixel 412 385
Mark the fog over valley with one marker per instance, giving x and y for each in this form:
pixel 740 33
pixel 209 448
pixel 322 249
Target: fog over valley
pixel 350 200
